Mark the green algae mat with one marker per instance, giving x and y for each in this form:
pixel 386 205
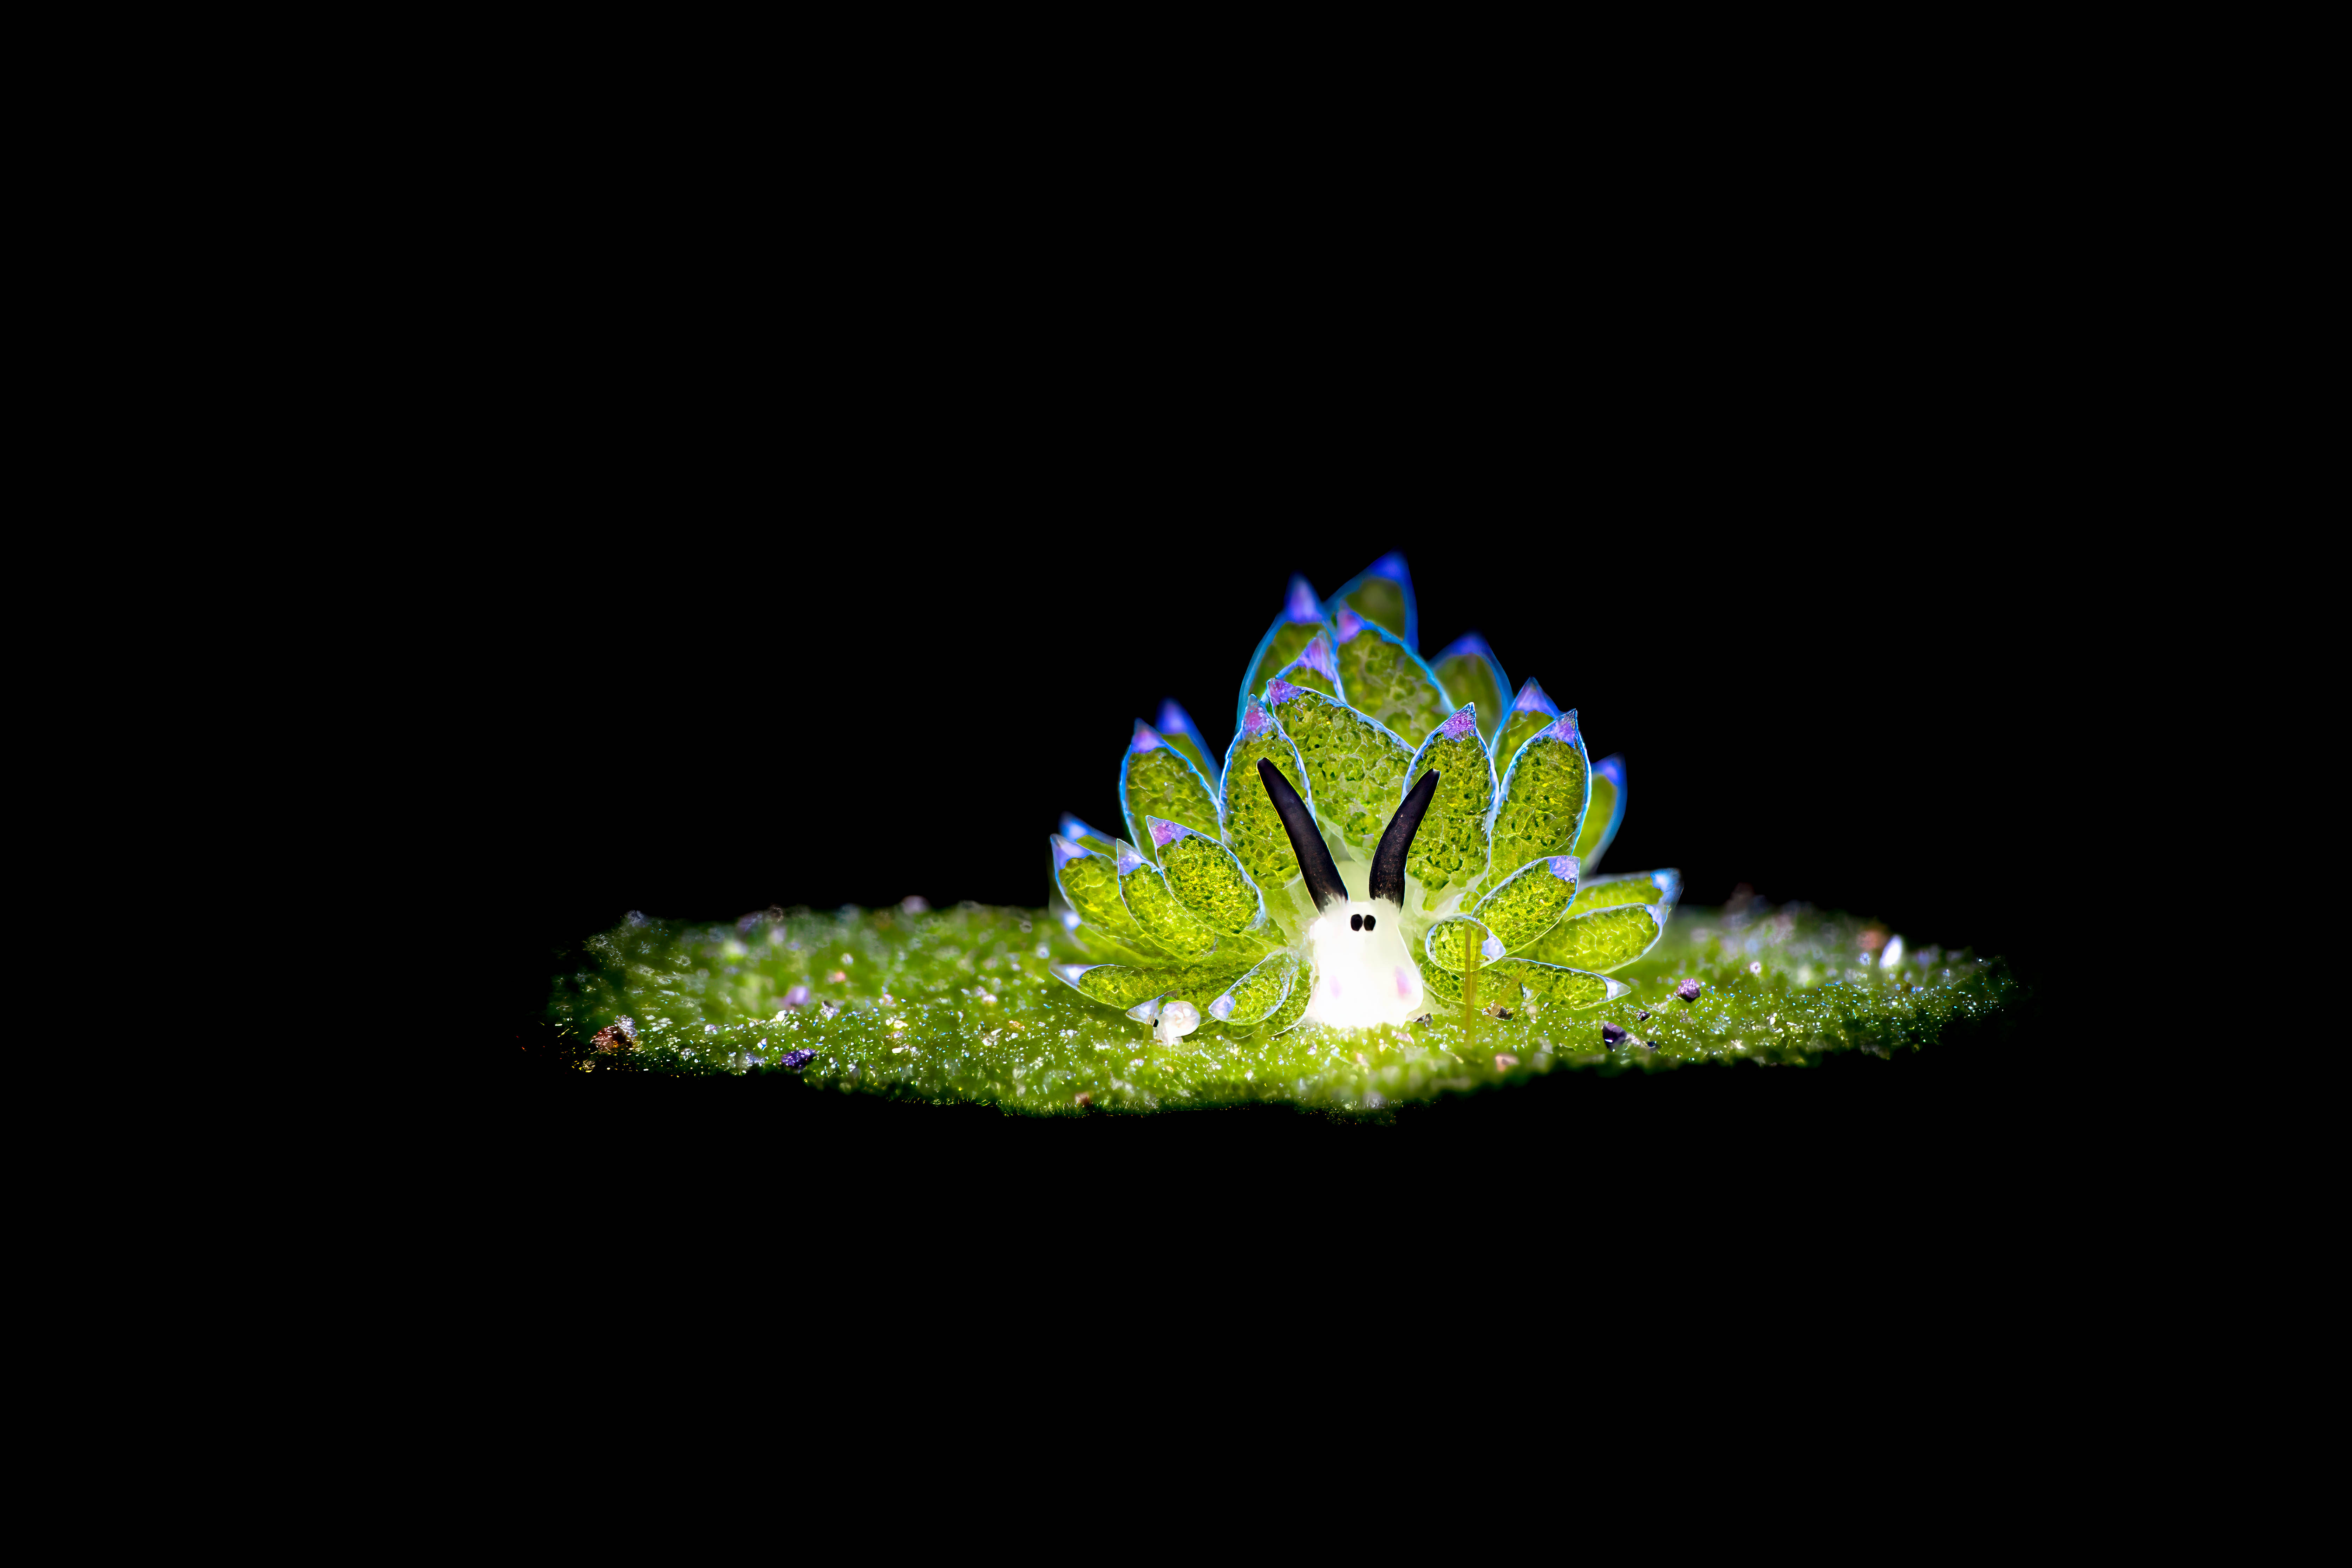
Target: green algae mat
pixel 964 1004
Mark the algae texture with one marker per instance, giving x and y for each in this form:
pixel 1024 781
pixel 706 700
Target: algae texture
pixel 961 1005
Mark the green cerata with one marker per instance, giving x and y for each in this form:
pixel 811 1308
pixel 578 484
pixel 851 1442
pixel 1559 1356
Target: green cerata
pixel 1389 889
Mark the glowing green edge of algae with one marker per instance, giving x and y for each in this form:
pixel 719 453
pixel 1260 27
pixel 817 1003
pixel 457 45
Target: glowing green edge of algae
pixel 960 1005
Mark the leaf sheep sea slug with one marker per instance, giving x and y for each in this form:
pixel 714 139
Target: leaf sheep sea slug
pixel 1382 887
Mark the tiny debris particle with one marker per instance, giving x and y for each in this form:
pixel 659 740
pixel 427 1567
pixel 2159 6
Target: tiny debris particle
pixel 616 1036
pixel 1688 991
pixel 1084 1099
pixel 795 1060
pixel 1612 1034
pixel 835 978
pixel 1642 1016
pixel 1504 1063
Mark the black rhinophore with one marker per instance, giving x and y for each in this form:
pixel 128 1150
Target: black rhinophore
pixel 1305 842
pixel 1396 840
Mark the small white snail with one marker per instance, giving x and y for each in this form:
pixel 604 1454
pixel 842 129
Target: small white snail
pixel 1177 1019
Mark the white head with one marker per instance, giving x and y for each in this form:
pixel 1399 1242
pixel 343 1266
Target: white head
pixel 1364 974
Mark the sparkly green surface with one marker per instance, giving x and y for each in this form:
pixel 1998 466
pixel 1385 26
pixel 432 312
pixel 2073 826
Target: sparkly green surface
pixel 959 1004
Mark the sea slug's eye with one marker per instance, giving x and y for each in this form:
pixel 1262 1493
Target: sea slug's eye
pixel 1372 921
pixel 1355 922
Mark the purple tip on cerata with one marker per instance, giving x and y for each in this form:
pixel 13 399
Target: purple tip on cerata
pixel 1564 728
pixel 1492 947
pixel 1073 829
pixel 1223 1007
pixel 1318 657
pixel 1279 691
pixel 1390 566
pixel 1613 768
pixel 1564 868
pixel 1129 860
pixel 1531 700
pixel 1065 852
pixel 1303 604
pixel 1255 721
pixel 1468 642
pixel 1144 740
pixel 1688 991
pixel 1349 624
pixel 1161 831
pixel 1173 721
pixel 1612 1034
pixel 1462 725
